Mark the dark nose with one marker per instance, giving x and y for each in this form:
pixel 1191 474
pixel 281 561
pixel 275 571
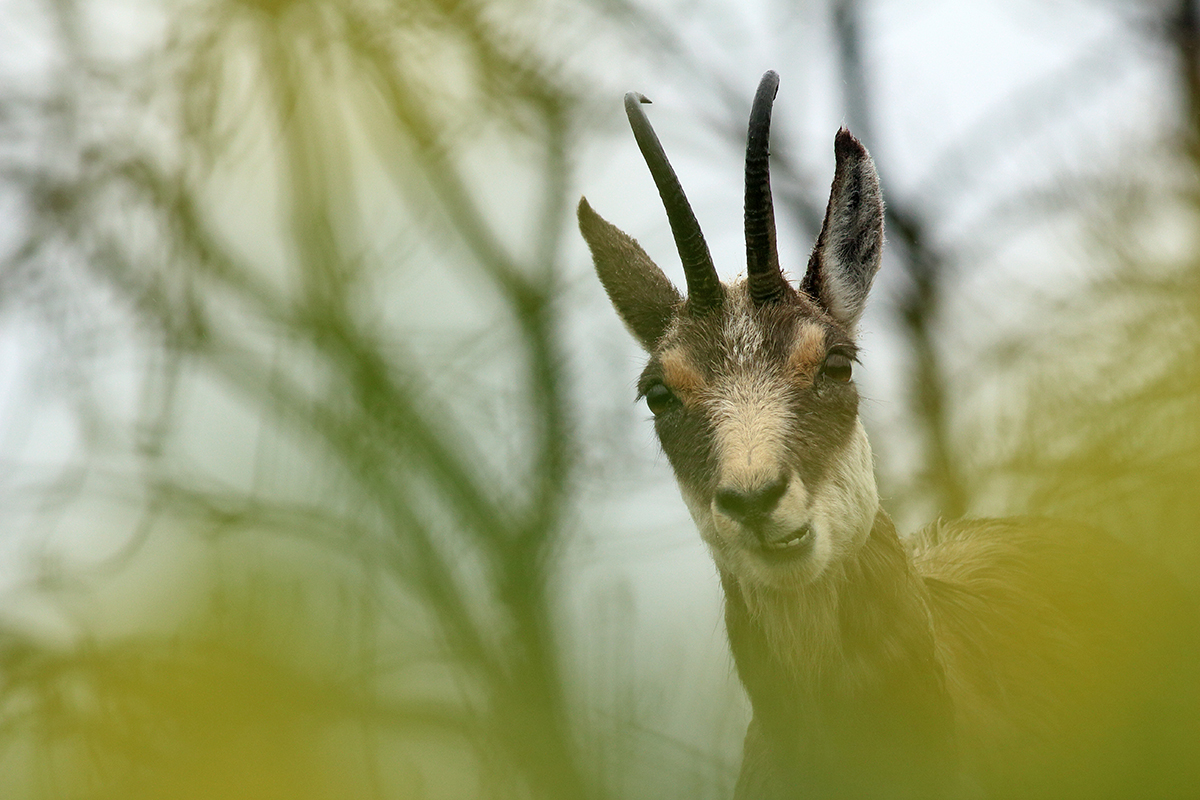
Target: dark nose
pixel 750 505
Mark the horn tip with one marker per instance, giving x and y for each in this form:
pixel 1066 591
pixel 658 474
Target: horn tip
pixel 769 82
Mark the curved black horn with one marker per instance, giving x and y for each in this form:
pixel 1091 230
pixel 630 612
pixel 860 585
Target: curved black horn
pixel 704 287
pixel 766 281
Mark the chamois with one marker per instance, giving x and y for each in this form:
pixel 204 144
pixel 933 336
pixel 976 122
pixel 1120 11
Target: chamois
pixel 986 658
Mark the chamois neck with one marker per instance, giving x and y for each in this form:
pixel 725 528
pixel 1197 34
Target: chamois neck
pixel 862 624
pixel 844 679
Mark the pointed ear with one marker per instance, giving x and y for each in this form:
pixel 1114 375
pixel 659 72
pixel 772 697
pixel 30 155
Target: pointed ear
pixel 644 298
pixel 848 251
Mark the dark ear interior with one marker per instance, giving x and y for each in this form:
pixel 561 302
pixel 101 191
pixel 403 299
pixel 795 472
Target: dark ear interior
pixel 644 298
pixel 848 251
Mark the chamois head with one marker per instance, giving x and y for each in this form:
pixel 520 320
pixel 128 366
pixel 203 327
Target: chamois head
pixel 750 383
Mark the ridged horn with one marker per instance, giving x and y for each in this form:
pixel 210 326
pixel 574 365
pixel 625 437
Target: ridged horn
pixel 704 287
pixel 765 279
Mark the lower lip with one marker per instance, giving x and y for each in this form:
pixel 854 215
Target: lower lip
pixel 798 549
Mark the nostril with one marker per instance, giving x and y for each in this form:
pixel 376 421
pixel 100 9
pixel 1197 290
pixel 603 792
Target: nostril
pixel 749 504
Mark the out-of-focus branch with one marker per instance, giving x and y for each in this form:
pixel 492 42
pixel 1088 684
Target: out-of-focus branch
pixel 941 476
pixel 425 509
pixel 1181 28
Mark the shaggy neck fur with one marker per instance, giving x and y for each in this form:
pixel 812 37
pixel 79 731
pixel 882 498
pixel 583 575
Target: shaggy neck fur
pixel 843 677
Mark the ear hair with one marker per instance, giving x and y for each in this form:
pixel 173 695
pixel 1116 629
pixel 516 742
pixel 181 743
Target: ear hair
pixel 643 296
pixel 848 251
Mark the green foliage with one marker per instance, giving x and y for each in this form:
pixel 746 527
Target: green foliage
pixel 287 282
pixel 277 286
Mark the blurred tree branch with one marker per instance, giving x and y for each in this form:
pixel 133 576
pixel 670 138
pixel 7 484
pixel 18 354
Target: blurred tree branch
pixel 344 390
pixel 377 496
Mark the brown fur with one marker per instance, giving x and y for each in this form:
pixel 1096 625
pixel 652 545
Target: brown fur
pixel 807 353
pixel 680 374
pixel 849 697
pixel 988 658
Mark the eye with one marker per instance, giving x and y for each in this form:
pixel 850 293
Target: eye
pixel 659 398
pixel 837 367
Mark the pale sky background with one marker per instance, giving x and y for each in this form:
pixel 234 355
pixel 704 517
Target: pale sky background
pixel 938 70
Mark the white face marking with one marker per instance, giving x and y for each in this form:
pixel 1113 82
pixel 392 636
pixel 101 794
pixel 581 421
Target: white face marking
pixel 838 512
pixel 752 425
pixel 743 337
pixel 844 505
pixel 749 413
pixel 753 431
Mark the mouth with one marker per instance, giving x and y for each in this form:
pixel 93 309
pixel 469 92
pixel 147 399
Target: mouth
pixel 789 547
